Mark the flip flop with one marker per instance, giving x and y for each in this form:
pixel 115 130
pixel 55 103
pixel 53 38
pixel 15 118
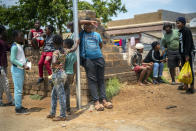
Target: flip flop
pixel 99 107
pixel 108 105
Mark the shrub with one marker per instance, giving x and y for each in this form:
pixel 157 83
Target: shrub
pixel 113 88
pixel 36 97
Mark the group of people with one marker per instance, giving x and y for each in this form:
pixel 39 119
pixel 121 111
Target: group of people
pixel 178 49
pixel 59 58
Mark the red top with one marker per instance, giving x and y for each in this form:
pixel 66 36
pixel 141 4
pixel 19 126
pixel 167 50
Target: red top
pixel 36 33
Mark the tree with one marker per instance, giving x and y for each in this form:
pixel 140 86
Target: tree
pixel 55 12
pixel 105 10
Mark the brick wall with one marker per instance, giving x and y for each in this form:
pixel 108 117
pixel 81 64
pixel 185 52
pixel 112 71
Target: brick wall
pixel 115 67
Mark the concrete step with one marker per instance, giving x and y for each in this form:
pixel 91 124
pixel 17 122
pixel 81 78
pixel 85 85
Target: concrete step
pixel 110 49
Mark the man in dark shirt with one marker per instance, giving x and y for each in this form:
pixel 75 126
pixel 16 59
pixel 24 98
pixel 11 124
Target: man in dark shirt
pixel 4 83
pixel 186 49
pixel 156 58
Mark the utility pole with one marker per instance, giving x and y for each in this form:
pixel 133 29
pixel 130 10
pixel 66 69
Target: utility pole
pixel 76 37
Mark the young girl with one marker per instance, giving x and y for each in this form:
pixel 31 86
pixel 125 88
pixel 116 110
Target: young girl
pixel 47 53
pixel 58 79
pixel 18 61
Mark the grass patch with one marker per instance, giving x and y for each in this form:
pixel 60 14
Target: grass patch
pixel 165 67
pixel 113 88
pixel 165 80
pixel 36 97
pixel 150 79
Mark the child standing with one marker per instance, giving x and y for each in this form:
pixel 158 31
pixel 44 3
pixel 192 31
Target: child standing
pixel 18 61
pixel 4 83
pixel 58 79
pixel 70 70
pixel 156 58
pixel 143 70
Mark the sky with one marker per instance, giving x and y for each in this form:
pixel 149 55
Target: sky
pixel 145 6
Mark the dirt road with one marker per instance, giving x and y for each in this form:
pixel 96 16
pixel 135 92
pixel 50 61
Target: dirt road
pixel 135 109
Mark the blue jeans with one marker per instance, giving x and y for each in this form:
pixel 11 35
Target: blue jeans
pixel 58 92
pixel 18 79
pixel 158 70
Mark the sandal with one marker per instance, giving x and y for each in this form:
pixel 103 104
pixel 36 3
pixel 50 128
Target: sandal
pixel 108 105
pixel 146 83
pixel 50 116
pixel 99 107
pixel 59 118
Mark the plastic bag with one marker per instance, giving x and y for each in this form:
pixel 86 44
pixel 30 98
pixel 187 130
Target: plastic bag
pixel 185 75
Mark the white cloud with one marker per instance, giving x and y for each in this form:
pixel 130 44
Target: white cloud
pixel 142 3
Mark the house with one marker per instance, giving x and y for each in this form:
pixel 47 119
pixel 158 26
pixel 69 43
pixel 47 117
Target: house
pixel 147 27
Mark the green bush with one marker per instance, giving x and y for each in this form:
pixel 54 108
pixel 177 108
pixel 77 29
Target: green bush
pixel 113 88
pixel 36 97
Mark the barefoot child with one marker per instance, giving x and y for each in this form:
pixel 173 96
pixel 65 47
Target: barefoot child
pixel 18 62
pixel 70 70
pixel 58 80
pixel 143 70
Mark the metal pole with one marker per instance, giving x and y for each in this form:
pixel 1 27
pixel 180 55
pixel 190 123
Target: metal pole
pixel 76 37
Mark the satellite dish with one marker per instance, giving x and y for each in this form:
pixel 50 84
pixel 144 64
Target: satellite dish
pixel 193 22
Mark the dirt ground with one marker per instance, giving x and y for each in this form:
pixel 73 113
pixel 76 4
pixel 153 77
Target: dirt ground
pixel 135 109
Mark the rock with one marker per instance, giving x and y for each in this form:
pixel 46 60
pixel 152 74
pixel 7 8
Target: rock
pixel 171 106
pixel 63 125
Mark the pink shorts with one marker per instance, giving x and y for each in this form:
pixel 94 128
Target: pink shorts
pixel 138 68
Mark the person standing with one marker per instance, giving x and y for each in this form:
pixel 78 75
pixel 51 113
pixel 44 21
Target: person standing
pixel 94 64
pixel 58 80
pixel 186 49
pixel 70 70
pixel 4 83
pixel 46 56
pixel 18 62
pixel 170 41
